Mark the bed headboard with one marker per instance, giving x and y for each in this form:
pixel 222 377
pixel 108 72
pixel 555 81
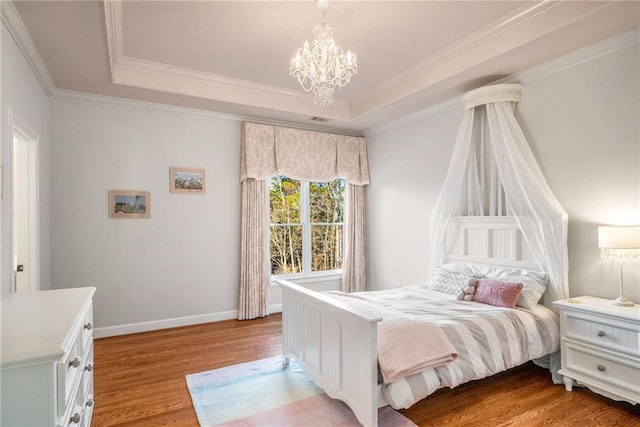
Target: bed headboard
pixel 495 240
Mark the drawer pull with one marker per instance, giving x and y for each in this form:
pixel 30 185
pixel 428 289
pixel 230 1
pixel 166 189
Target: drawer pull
pixel 88 326
pixel 89 402
pixel 601 368
pixel 75 362
pixel 89 367
pixel 75 419
pixel 601 333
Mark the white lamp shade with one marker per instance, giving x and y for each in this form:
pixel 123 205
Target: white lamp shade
pixel 619 237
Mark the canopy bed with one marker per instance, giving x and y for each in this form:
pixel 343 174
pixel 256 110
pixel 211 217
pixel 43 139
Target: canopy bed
pixel 496 230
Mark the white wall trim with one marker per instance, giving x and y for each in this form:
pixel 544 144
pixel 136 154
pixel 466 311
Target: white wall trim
pixel 554 66
pixel 578 57
pixel 154 325
pixel 14 24
pixel 133 103
pixel 18 126
pixel 445 105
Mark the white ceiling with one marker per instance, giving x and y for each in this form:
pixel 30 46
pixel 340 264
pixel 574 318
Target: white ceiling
pixel 233 56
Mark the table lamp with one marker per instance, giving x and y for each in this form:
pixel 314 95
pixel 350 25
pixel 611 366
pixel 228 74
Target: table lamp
pixel 621 243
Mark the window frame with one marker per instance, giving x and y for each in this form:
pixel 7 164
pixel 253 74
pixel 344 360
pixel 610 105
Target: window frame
pixel 307 275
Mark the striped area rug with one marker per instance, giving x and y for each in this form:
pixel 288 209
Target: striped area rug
pixel 264 393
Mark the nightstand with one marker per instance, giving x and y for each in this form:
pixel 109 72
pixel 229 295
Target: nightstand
pixel 601 347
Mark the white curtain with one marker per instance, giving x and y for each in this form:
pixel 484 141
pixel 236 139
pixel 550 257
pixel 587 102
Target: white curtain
pixel 268 151
pixel 493 172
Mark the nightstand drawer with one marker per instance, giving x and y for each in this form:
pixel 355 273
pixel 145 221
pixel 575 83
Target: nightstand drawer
pixel 601 331
pixel 602 367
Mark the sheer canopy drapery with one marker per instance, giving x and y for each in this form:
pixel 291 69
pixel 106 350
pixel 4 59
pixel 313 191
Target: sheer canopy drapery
pixel 302 155
pixel 493 172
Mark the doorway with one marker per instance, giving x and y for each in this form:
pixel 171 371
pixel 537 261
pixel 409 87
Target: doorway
pixel 24 207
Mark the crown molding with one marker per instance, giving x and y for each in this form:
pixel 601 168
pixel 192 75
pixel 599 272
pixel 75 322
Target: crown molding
pixel 134 103
pixel 12 21
pixel 548 68
pixel 168 78
pixel 578 57
pixel 507 33
pixel 526 24
pixel 191 112
pixel 423 114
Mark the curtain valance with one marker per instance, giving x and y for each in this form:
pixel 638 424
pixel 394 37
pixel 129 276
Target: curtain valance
pixel 302 155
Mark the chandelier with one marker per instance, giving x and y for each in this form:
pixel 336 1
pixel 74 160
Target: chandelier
pixel 323 66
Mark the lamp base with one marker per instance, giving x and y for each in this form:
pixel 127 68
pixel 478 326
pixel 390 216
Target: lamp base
pixel 622 302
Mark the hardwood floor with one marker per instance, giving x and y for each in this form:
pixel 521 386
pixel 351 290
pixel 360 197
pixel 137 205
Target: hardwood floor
pixel 139 381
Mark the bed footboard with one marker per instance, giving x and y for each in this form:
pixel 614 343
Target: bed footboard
pixel 335 345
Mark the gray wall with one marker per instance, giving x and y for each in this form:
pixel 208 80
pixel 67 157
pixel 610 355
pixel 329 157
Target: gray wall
pixel 581 115
pixel 180 266
pixel 183 261
pixel 23 94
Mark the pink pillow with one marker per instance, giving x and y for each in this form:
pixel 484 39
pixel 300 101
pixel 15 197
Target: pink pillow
pixel 495 292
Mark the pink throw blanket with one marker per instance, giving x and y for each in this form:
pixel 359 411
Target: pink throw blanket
pixel 406 344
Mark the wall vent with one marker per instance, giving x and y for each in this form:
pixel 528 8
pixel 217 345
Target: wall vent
pixel 318 119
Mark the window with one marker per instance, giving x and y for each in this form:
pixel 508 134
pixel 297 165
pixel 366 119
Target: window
pixel 306 226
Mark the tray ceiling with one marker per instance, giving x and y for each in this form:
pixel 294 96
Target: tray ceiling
pixel 232 56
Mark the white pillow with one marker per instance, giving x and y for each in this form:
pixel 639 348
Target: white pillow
pixel 448 281
pixel 531 293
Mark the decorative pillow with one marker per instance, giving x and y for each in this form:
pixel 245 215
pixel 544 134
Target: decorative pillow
pixel 495 292
pixel 535 282
pixel 531 293
pixel 448 281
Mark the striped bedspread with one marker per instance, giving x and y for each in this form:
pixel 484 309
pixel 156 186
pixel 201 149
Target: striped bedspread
pixel 487 339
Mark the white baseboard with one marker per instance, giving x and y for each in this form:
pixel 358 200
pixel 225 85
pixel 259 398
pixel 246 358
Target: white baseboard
pixel 154 325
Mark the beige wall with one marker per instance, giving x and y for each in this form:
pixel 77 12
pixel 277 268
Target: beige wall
pixel 581 115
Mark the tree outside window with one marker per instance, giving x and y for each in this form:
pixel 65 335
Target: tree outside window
pixel 307 222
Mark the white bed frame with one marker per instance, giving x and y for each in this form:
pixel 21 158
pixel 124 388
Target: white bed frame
pixel 336 344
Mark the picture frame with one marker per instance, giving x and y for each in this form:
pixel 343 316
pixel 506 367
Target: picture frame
pixel 187 180
pixel 125 204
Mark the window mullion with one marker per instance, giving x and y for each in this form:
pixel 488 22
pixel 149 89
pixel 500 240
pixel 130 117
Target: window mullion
pixel 306 227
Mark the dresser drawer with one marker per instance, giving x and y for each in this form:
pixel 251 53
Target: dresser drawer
pixel 75 362
pixel 80 405
pixel 606 368
pixel 86 381
pixel 87 328
pixel 602 331
pixel 69 372
pixel 88 406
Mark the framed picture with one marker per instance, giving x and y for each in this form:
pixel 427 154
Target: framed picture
pixel 187 180
pixel 129 204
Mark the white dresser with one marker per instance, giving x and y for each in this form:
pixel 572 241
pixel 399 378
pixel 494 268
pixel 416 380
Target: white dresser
pixel 46 359
pixel 601 347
